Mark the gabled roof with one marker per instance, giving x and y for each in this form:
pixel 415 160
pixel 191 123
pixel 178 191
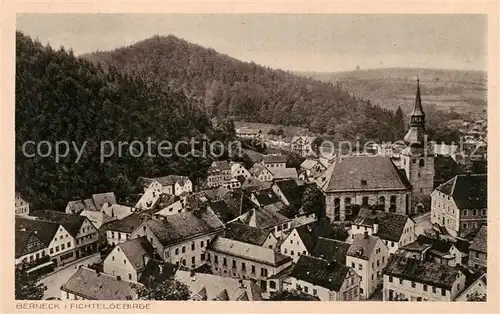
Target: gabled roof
pixel 445 168
pixel 129 223
pixel 480 241
pixel 90 285
pixel 248 251
pixel 27 242
pixel 274 159
pixel 257 169
pixel 263 218
pixel 219 165
pixel 135 250
pixel 45 230
pixel 70 222
pixel 434 274
pixel 320 272
pixel 181 227
pixel 284 173
pixel 251 184
pixel 223 211
pixel 309 233
pixel 331 250
pixel 290 190
pixel 362 246
pixel 101 198
pixel 97 218
pixel 171 180
pixel 265 197
pixel 308 164
pixel 469 191
pixel 244 233
pixel 363 173
pixel 390 225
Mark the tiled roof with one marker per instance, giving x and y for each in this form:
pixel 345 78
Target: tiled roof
pixel 362 246
pixel 320 272
pixel 363 173
pixel 88 284
pixel 390 225
pixel 469 190
pixel 265 197
pixel 291 190
pixel 331 250
pixel 284 173
pixel 135 250
pixel 480 241
pixel 310 232
pixel 70 222
pixel 248 251
pixel 255 184
pixel 129 223
pixel 263 218
pixel 434 274
pixel 180 227
pixel 223 211
pixel 308 164
pixel 244 233
pixel 218 288
pixel 27 242
pixel 445 168
pixel 101 198
pixel 219 165
pixel 257 169
pixel 46 230
pixel 117 211
pixel 274 158
pixel 171 180
pixel 97 218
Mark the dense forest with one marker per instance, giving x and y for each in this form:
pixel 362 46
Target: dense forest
pixel 224 86
pixel 60 97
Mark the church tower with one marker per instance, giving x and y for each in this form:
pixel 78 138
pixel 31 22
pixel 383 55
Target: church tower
pixel 418 159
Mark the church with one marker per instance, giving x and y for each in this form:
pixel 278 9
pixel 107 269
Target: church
pixel 376 180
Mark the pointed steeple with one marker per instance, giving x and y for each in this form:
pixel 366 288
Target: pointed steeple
pixel 417 109
pixel 416 132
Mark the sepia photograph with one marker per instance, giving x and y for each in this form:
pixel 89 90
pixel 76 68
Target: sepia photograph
pixel 251 157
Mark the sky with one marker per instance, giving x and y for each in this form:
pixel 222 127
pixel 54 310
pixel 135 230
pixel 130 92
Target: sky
pixel 296 42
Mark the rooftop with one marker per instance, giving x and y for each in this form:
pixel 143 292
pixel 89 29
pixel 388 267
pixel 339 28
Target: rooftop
pixel 244 233
pixel 45 230
pixel 320 272
pixel 135 250
pixel 469 191
pixel 331 250
pixel 480 241
pixel 309 233
pixel 274 159
pixel 27 242
pixel 70 222
pixel 362 246
pixel 390 225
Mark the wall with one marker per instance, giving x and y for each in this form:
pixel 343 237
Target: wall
pixel 21 206
pixel 56 250
pixel 477 259
pixel 116 237
pixel 117 264
pixel 293 244
pixel 421 177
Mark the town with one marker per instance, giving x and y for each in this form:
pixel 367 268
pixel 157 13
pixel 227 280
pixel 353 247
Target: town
pixel 403 222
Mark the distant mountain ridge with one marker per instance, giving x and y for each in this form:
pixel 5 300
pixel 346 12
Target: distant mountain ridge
pixel 224 86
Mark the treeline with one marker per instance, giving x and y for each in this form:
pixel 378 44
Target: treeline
pixel 224 86
pixel 60 97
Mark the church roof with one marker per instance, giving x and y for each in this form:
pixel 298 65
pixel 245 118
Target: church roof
pixel 417 109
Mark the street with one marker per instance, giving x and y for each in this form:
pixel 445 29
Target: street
pixel 55 280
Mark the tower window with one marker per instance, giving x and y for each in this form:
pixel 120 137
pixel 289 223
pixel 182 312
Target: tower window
pixel 421 163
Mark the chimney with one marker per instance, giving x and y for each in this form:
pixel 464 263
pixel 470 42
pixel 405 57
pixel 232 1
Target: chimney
pixel 375 226
pixel 366 235
pixel 119 278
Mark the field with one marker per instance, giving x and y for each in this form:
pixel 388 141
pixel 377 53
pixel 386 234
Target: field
pixel 465 92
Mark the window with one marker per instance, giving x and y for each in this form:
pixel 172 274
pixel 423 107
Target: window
pixel 253 269
pixel 477 254
pixel 306 289
pixel 291 252
pixel 243 266
pixel 381 203
pixel 433 289
pixel 57 248
pixel 464 212
pixel 183 249
pixel 474 212
pixel 224 262
pixel 112 258
pixel 360 267
pixel 202 256
pixel 68 244
pixel 425 287
pixel 192 246
pixel 401 281
pixel 216 259
pixel 390 278
pixel 62 246
pixel 378 263
pixel 373 265
pixel 234 263
pixel 347 205
pixel 365 200
pixel 286 251
pixel 202 243
pixel 421 163
pixel 193 260
pixel 372 277
pixel 315 292
pixel 392 244
pixel 443 292
pixel 124 261
pixel 144 228
pixel 383 259
pixel 129 276
pixel 353 265
pixel 177 251
pixel 413 284
pixel 464 225
pixel 272 284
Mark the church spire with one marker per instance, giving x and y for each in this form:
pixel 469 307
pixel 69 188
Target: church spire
pixel 416 132
pixel 417 109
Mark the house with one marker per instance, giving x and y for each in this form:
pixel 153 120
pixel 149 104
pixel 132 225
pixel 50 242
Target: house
pixel 22 207
pixel 59 241
pixel 331 250
pixel 460 204
pixel 173 208
pixel 265 219
pixel 478 249
pixel 272 162
pixel 181 239
pixel 94 203
pixel 411 279
pixel 477 287
pixel 261 172
pixel 117 211
pixel 364 180
pixel 171 184
pixel 329 281
pixel 237 169
pixel 29 248
pixel 394 229
pixel 445 168
pixel 301 240
pixel 97 218
pixel 231 258
pixel 434 250
pixel 288 191
pixel 310 169
pixel 208 287
pixel 368 256
pixel 218 174
pixel 244 233
pixel 302 145
pixel 129 259
pixel 84 234
pixel 87 284
pixel 284 173
pixel 249 133
pixel 119 231
pixel 266 197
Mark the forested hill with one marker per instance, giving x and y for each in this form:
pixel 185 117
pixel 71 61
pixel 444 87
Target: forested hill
pixel 60 97
pixel 225 86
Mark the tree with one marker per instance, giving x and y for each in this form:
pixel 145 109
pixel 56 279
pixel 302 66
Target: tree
pixel 476 297
pixel 293 295
pixel 294 160
pixel 280 132
pixel 272 132
pixel 27 286
pixel 163 289
pixel 399 124
pixel 316 144
pixel 312 201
